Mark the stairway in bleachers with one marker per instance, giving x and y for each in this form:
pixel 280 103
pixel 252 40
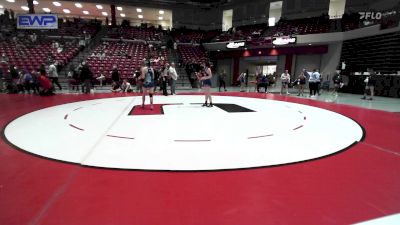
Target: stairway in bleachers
pixel 183 80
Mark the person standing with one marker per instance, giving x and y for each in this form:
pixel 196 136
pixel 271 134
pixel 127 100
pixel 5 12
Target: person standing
pixel 369 85
pixel 317 81
pixel 115 75
pixel 86 77
pixel 285 79
pixel 262 81
pixel 53 74
pixel 337 82
pixel 312 81
pixel 173 78
pixel 139 82
pixel 301 81
pixel 242 80
pixel 148 82
pixel 205 76
pixel 164 79
pixel 222 78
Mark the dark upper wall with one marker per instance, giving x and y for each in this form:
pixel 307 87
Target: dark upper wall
pixel 197 18
pixel 294 9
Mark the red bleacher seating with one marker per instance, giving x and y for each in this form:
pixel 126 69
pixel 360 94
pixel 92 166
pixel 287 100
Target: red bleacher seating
pixel 190 52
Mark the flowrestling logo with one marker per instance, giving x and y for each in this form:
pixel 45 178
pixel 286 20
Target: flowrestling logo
pixel 37 21
pixel 370 15
pixel 377 15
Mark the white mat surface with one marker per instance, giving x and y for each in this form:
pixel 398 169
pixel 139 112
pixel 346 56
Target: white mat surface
pixel 89 133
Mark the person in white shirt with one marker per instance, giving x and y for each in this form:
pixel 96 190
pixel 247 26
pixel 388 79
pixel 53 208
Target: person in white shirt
pixel 317 76
pixel 312 82
pixel 174 77
pixel 101 78
pixel 53 75
pixel 102 56
pixel 242 80
pixel 126 86
pixel 285 79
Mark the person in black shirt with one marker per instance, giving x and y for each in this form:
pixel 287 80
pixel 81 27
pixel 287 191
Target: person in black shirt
pixel 115 74
pixel 337 82
pixel 86 77
pixel 369 84
pixel 222 78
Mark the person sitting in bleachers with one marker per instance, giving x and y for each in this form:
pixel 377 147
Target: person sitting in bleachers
pixel 101 78
pixel 102 56
pixel 33 38
pixel 4 58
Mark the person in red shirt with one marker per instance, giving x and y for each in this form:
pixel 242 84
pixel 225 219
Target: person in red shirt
pixel 46 87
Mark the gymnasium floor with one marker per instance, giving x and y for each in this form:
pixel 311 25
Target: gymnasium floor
pixel 253 159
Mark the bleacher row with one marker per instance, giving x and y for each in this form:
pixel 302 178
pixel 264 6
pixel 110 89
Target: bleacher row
pixel 135 33
pixel 27 58
pixel 192 53
pixel 128 57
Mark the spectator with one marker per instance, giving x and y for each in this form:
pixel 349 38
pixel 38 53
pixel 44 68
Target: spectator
pixel 173 78
pixel 164 79
pixel 102 56
pixel 222 78
pixel 318 78
pixel 312 81
pixel 115 74
pixel 126 86
pixel 337 82
pixel 4 58
pixel 242 80
pixel 262 82
pixel 115 87
pixel 139 82
pixel 46 87
pixel 101 78
pixel 28 81
pixel 35 82
pixel 74 79
pixel 301 81
pixel 33 38
pixel 20 82
pixel 285 79
pixel 369 85
pixel 86 77
pixel 53 75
